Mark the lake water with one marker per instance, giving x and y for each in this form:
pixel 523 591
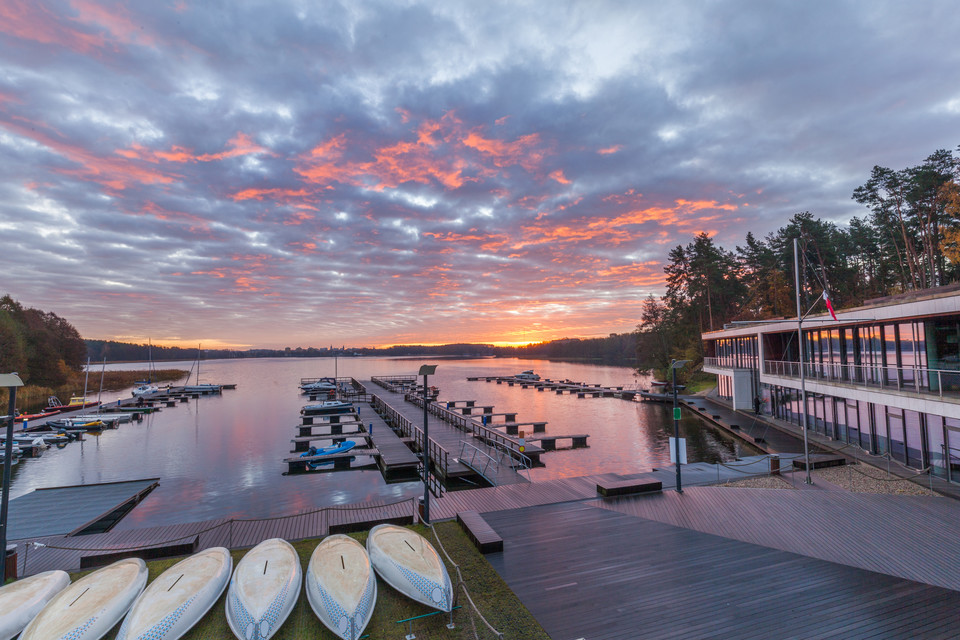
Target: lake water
pixel 221 456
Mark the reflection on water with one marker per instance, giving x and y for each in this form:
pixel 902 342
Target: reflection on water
pixel 221 456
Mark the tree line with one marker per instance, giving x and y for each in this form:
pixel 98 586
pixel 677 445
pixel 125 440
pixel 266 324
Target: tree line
pixel 619 349
pixel 908 239
pixel 43 348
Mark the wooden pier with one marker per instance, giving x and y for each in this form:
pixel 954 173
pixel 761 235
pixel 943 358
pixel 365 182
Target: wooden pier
pixel 560 387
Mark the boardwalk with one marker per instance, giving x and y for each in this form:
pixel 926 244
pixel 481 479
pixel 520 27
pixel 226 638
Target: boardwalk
pixel 592 573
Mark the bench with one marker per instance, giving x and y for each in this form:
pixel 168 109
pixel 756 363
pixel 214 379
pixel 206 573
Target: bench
pixel 820 461
pixel 609 488
pixel 148 553
pixel 484 537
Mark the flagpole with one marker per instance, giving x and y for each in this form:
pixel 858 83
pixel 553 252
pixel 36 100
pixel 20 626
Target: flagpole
pixel 803 379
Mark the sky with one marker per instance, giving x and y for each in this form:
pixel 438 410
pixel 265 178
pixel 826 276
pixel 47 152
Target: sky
pixel 309 173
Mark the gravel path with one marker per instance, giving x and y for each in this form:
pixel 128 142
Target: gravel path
pixel 858 478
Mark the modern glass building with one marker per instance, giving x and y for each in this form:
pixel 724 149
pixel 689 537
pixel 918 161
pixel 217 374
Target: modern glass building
pixel 884 377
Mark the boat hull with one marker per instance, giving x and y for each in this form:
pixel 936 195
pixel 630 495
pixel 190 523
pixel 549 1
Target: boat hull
pixel 264 588
pixel 21 601
pixel 91 606
pixel 409 563
pixel 179 597
pixel 342 586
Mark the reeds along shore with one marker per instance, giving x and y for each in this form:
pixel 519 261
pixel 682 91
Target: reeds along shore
pixel 32 398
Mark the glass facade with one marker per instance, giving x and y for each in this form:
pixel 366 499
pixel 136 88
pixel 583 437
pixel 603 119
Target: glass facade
pixel 911 355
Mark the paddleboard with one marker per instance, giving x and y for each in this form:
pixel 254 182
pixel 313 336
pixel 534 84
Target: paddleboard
pixel 21 601
pixel 179 597
pixel 263 590
pixel 341 585
pixel 92 605
pixel 409 563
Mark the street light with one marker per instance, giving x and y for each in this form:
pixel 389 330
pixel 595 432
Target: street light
pixel 426 370
pixel 11 381
pixel 674 365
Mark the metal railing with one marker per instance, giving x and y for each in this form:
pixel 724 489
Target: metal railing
pixel 938 382
pixel 489 435
pixel 438 455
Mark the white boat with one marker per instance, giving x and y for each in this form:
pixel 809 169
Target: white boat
pixel 527 375
pixel 341 585
pixel 91 606
pixel 179 597
pixel 327 407
pixel 145 389
pixel 409 563
pixel 22 600
pixel 318 387
pixel 264 589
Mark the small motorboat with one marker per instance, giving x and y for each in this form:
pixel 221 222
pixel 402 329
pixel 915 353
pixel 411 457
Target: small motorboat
pixel 76 402
pixel 327 407
pixel 145 389
pixel 527 375
pixel 313 452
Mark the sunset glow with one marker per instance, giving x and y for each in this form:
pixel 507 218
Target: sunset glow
pixel 305 174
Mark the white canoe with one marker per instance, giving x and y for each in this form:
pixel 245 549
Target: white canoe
pixel 264 588
pixel 341 585
pixel 179 597
pixel 92 605
pixel 21 601
pixel 409 563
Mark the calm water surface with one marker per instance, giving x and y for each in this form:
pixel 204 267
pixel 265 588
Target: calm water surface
pixel 222 455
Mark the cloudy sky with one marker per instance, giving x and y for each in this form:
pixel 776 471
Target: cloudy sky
pixel 296 173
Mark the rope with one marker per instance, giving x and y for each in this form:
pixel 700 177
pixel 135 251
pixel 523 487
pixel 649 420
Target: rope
pixel 216 526
pixel 461 584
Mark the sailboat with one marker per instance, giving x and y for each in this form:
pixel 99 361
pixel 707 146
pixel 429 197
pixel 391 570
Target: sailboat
pixel 201 388
pixel 145 387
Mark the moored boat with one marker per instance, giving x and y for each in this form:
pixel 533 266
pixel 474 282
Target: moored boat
pixel 328 407
pixel 527 375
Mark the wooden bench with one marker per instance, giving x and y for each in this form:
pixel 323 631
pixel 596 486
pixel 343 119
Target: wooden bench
pixel 148 553
pixel 627 487
pixel 818 461
pixel 482 534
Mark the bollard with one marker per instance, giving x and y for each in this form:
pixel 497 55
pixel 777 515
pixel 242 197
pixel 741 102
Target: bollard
pixel 10 566
pixel 774 464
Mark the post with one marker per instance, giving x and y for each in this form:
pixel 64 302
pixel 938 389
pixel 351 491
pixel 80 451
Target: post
pixel 674 365
pixel 676 426
pixel 11 381
pixel 425 370
pixel 803 378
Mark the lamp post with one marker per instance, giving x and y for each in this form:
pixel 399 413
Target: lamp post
pixel 11 381
pixel 426 370
pixel 803 379
pixel 674 365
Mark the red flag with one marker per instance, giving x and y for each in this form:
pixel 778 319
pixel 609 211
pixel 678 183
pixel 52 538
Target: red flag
pixel 826 298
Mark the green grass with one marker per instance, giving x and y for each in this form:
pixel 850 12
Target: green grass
pixel 498 604
pixel 700 381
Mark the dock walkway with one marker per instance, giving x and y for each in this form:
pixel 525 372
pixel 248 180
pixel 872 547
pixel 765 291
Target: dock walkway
pixel 458 444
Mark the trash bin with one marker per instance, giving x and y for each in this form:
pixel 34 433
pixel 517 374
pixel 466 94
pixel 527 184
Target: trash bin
pixel 10 568
pixel 774 464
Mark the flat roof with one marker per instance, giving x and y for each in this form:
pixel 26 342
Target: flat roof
pixel 70 510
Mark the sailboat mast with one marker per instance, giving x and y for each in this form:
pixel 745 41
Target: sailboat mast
pixel 85 378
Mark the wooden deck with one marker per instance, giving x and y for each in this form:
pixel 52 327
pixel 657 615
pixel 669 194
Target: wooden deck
pixel 652 580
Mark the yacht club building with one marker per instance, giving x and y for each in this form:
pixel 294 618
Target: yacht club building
pixel 884 377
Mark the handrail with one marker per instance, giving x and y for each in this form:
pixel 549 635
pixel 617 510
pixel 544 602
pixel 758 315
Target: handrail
pixel 509 444
pixel 915 379
pixel 438 455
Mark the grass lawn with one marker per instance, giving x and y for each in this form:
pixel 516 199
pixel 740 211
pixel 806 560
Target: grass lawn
pixel 494 599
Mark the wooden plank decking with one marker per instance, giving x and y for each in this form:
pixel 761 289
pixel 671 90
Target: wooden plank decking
pixel 647 579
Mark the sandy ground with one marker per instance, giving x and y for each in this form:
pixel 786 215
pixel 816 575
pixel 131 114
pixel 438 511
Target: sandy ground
pixel 858 478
